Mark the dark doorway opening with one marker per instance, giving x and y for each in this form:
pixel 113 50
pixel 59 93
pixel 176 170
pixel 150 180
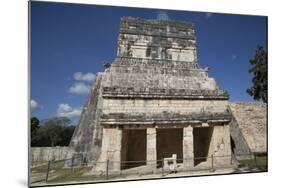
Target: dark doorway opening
pixel 169 142
pixel 133 151
pixel 201 142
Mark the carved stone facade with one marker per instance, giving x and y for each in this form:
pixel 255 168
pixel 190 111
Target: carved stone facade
pixel 154 97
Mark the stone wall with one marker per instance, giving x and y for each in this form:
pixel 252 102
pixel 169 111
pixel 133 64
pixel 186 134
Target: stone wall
pixel 156 39
pixel 160 112
pixel 155 80
pixel 158 106
pixel 221 145
pixel 49 153
pixel 251 119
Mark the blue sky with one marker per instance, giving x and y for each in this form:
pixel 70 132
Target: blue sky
pixel 70 42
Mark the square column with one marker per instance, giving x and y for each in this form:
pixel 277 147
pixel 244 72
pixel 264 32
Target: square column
pixel 114 151
pixel 151 150
pixel 221 145
pixel 110 150
pixel 188 155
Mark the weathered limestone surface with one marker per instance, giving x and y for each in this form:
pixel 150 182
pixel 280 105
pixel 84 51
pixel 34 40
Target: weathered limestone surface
pixel 151 147
pixel 49 153
pixel 144 39
pixel 160 105
pixel 220 145
pixel 251 118
pixel 158 59
pixel 239 144
pixel 188 155
pixel 87 137
pixel 154 81
pixel 111 150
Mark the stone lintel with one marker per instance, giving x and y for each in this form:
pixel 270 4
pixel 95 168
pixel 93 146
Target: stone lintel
pixel 161 124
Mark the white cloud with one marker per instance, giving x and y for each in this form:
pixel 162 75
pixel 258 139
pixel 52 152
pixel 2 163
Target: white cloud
pixel 65 110
pixel 79 88
pixel 208 15
pixel 84 77
pixel 161 15
pixel 34 105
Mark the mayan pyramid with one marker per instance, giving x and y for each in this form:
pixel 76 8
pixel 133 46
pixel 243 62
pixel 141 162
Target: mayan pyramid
pixel 154 84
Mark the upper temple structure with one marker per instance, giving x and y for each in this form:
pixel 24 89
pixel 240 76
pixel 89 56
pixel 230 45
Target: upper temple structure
pixel 154 102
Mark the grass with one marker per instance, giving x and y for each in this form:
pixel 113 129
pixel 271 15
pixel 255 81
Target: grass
pixel 75 175
pixel 260 162
pixel 40 169
pixel 68 175
pixel 59 174
pixel 44 167
pixel 38 163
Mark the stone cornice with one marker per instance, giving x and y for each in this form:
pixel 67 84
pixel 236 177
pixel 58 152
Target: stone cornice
pixel 164 119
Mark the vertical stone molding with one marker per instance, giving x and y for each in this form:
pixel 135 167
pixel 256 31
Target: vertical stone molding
pixel 188 156
pixel 151 147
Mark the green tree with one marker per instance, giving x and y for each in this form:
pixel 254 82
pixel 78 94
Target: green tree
pixel 34 124
pixel 34 128
pixel 66 135
pixel 55 131
pixel 259 71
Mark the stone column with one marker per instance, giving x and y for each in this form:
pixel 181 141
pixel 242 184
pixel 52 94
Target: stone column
pixel 110 150
pixel 227 151
pixel 188 155
pixel 114 152
pixel 227 145
pixel 221 145
pixel 151 149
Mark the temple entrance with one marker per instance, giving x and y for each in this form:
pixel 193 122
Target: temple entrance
pixel 169 142
pixel 201 140
pixel 133 152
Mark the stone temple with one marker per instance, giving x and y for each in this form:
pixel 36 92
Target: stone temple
pixel 154 102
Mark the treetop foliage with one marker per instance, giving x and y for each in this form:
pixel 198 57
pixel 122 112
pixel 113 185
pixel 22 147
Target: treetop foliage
pixel 260 76
pixel 55 131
